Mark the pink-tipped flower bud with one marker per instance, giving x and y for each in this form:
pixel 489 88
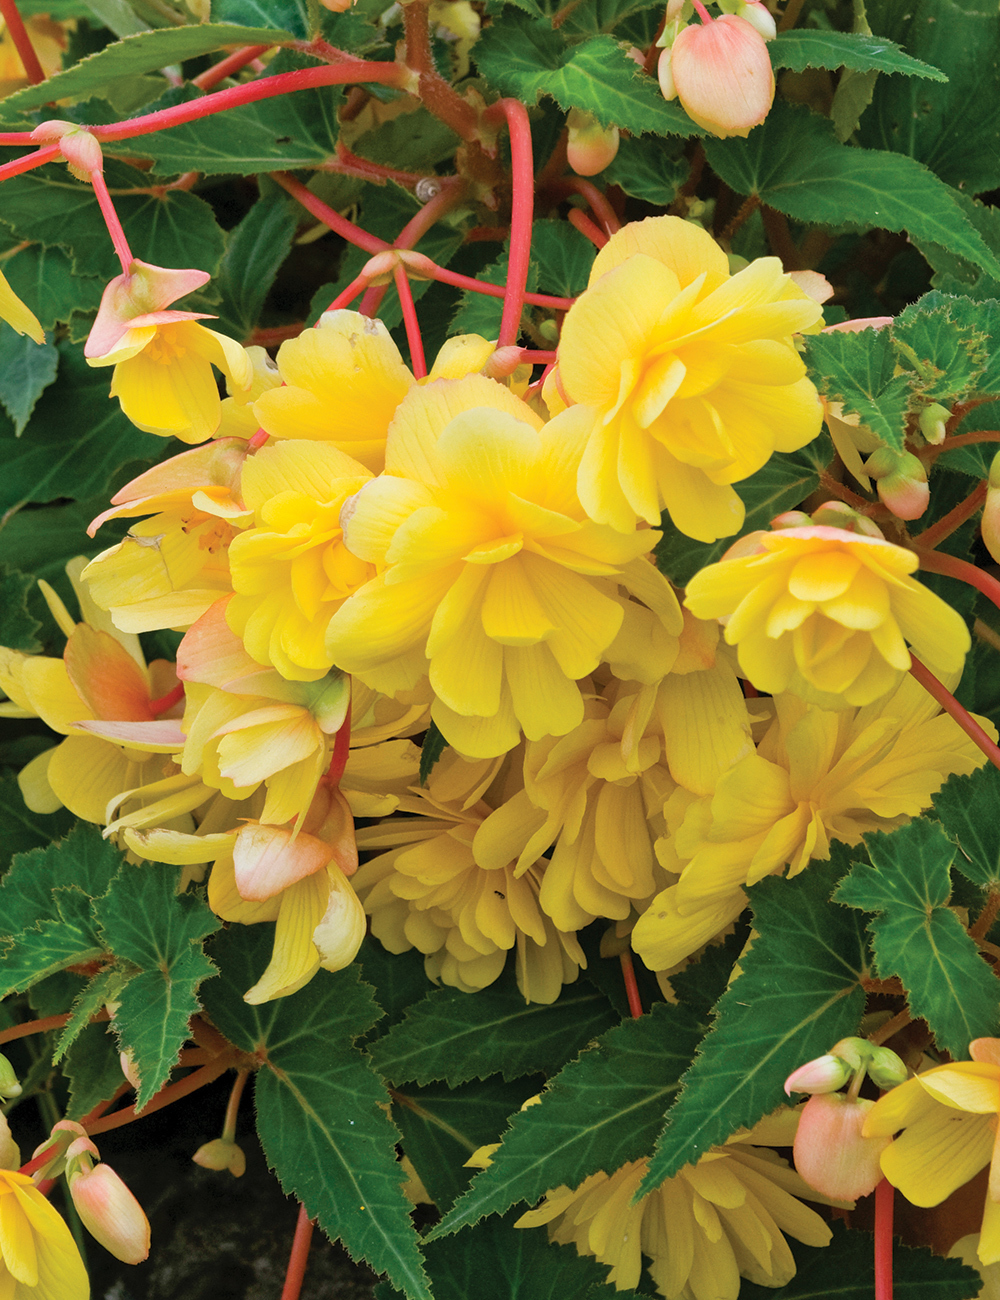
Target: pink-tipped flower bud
pixel 759 17
pixel 838 514
pixel 721 72
pixel 222 1154
pixel 9 1086
pixel 590 147
pixel 830 1153
pixel 990 523
pixel 791 519
pixel 824 1074
pixel 110 1213
pixel 901 481
pixel 933 423
pixel 81 150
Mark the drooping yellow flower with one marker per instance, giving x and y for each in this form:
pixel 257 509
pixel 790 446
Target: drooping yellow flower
pixel 701 1231
pixel 19 317
pixel 491 576
pixel 827 613
pixel 685 379
pixel 291 570
pixel 948 1116
pixel 427 891
pixel 40 1260
pixel 816 776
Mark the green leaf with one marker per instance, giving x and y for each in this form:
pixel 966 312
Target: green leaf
pixel 564 257
pixel 803 49
pixel 28 369
pixel 143 52
pixel 648 168
pixel 43 278
pixel 953 129
pixel 104 987
pixel 433 746
pixel 254 252
pixel 845 1270
pixel 420 138
pixel 858 369
pixel 919 938
pixel 798 991
pixel 525 57
pixel 399 980
pixel 23 829
pixel 319 1103
pixel 292 15
pixel 71 457
pixel 600 1111
pixel 794 163
pixel 785 481
pixel 93 1068
pixel 969 809
pixel 941 342
pixel 18 627
pixel 455 1037
pixel 145 922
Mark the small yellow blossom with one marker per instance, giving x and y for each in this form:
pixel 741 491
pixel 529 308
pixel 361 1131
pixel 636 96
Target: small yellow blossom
pixel 40 1260
pixel 827 613
pixel 19 317
pixel 685 379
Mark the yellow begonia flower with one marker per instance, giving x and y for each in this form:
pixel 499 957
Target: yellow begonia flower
pixel 19 317
pixel 291 571
pixel 428 892
pixel 685 379
pixel 238 418
pixel 948 1117
pixel 816 776
pixel 491 577
pixel 163 359
pixel 713 1223
pixel 827 613
pixel 40 1260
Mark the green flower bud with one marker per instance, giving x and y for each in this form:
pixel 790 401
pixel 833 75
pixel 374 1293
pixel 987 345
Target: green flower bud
pixel 886 1069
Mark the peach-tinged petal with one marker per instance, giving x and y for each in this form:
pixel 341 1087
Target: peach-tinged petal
pixel 163 737
pixel 106 676
pixel 268 859
pixel 142 290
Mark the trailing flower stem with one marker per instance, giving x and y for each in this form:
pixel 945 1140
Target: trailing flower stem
pixel 323 212
pixel 952 567
pixel 227 66
pixel 631 986
pixel 522 214
pixel 112 221
pixel 174 1092
pixel 954 710
pixel 884 1196
pixel 583 223
pixel 22 41
pixel 29 1027
pixel 28 161
pixel 299 1257
pixel 946 525
pixel 417 360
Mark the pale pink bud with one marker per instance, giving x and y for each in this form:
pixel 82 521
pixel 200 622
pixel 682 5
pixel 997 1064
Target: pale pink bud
pixel 901 481
pixel 824 1074
pixel 221 1154
pixel 80 149
pixel 111 1214
pixel 590 147
pixel 990 523
pixel 665 75
pixel 130 1070
pixel 838 514
pixel 722 74
pixel 830 1153
pixel 792 519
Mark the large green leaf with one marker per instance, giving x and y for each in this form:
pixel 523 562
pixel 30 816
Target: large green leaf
pixel 916 935
pixel 43 277
pixel 599 1112
pixel 941 342
pixel 93 1067
pixel 798 991
pixel 28 369
pixel 804 48
pixel 143 921
pixel 144 52
pixel 18 627
pixel 648 168
pixel 795 163
pixel 254 252
pixel 969 809
pixel 455 1037
pixel 319 1103
pixel 22 828
pixel 858 370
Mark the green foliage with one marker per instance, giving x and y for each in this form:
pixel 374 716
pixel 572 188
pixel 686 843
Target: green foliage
pixel 22 828
pixel 859 370
pixel 798 991
pixel 916 936
pixel 433 746
pixel 18 627
pixel 648 168
pixel 254 252
pixel 43 275
pixel 28 369
pixel 969 809
pixel 319 1104
pixel 826 49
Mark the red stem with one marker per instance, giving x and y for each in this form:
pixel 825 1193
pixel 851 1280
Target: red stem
pixel 29 161
pixel 284 83
pixel 947 524
pixel 329 217
pixel 372 300
pixel 340 755
pixel 349 164
pixel 433 210
pixel 435 93
pixel 536 357
pixel 522 213
pixel 631 987
pixel 496 291
pixel 44 1025
pixel 884 1196
pixel 954 710
pixel 22 41
pixel 599 205
pixel 230 64
pixel 357 285
pixel 583 223
pixel 417 359
pixel 968 439
pixel 952 567
pixel 36 1162
pixel 191 1083
pixel 111 220
pixel 299 1257
pixel 167 701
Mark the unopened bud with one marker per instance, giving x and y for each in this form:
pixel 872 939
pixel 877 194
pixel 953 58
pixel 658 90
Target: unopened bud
pixel 854 1052
pixel 886 1069
pixel 901 481
pixel 721 72
pixel 933 423
pixel 830 1152
pixel 759 17
pixel 590 146
pixel 10 1152
pixel 9 1086
pixel 81 150
pixel 110 1213
pixel 990 522
pixel 792 519
pixel 665 76
pixel 824 1074
pixel 222 1154
pixel 838 514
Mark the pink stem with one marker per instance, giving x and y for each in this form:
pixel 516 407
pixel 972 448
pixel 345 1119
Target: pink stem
pixel 16 137
pixel 112 222
pixel 349 164
pixel 701 11
pixel 22 41
pixel 522 213
pixel 432 211
pixel 599 205
pixel 631 987
pixel 884 1194
pixel 952 567
pixel 285 83
pixel 410 321
pixel 299 1257
pixel 29 161
pixel 227 66
pixel 329 217
pixel 496 291
pixel 583 223
pixel 954 710
pixel 946 525
pixel 535 357
pixel 372 300
pixel 358 285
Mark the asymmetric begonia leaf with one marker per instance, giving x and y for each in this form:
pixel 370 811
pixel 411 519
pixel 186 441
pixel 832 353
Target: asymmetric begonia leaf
pixel 319 1103
pixel 794 163
pixel 799 990
pixel 28 369
pixel 916 936
pixel 93 1067
pixel 940 341
pixel 803 49
pixel 969 809
pixel 624 1083
pixel 255 250
pixel 649 168
pixel 145 922
pixel 857 369
pixel 452 1036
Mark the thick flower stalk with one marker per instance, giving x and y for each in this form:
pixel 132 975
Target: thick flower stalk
pixel 683 379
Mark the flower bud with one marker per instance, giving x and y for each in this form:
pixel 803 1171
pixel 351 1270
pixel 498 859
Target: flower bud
pixel 990 522
pixel 933 423
pixel 665 75
pixel 901 481
pixel 886 1069
pixel 9 1086
pixel 590 147
pixel 759 17
pixel 838 514
pixel 110 1213
pixel 10 1152
pixel 824 1074
pixel 854 1052
pixel 792 519
pixel 221 1154
pixel 830 1153
pixel 81 150
pixel 721 72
